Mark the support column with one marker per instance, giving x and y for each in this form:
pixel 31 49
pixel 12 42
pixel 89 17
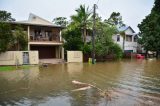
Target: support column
pixel 62 52
pixel 59 52
pixel 60 35
pixel 28 37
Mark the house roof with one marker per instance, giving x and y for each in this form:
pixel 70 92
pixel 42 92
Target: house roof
pixel 36 20
pixel 124 28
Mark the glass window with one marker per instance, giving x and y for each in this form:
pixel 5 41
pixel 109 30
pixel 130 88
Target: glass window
pixel 118 38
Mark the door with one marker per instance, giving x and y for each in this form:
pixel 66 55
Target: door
pixel 25 58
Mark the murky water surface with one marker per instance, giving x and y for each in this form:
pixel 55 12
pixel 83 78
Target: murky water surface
pixel 128 83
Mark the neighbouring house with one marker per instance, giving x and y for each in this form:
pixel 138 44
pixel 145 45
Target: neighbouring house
pixel 130 42
pixel 43 36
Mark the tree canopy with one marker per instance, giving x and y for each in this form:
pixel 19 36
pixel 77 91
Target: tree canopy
pixel 9 38
pixel 20 38
pixel 115 19
pixel 150 29
pixel 104 43
pixel 73 40
pixel 62 21
pixel 5 16
pixel 6 38
pixel 81 20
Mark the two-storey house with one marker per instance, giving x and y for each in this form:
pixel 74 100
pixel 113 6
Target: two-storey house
pixel 43 36
pixel 129 40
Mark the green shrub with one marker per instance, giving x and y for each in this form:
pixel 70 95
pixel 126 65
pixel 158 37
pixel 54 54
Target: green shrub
pixel 116 50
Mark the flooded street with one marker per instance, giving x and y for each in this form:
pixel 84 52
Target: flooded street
pixel 129 83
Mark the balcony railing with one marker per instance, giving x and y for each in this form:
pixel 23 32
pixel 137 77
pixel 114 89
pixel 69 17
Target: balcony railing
pixel 42 38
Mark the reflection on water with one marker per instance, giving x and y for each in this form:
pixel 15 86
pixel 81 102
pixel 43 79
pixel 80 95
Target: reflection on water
pixel 132 82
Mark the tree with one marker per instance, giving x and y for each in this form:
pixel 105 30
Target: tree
pixel 82 20
pixel 73 40
pixel 5 16
pixel 6 38
pixel 104 42
pixel 20 38
pixel 115 19
pixel 149 29
pixel 80 24
pixel 62 21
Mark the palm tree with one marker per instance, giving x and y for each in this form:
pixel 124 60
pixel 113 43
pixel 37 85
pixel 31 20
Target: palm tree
pixel 82 20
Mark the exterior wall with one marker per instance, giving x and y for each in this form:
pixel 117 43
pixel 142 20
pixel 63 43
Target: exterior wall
pixel 128 45
pixel 131 46
pixel 12 57
pixel 33 57
pixel 74 56
pixel 128 31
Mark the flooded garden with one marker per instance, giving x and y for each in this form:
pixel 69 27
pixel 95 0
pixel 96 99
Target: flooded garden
pixel 121 83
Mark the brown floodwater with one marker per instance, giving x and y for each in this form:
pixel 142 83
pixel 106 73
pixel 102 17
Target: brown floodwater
pixel 126 82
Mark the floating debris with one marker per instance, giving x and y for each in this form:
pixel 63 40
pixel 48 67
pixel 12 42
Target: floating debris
pixel 86 86
pixel 82 89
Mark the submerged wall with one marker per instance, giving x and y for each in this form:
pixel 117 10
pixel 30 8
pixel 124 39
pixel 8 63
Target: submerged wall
pixel 74 56
pixel 19 57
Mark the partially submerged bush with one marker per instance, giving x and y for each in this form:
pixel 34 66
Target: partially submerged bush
pixel 116 50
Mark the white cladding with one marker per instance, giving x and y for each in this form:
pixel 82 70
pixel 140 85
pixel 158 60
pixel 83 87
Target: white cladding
pixel 129 45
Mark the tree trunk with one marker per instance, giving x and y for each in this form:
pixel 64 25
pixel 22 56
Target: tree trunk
pixel 124 43
pixel 18 46
pixel 157 54
pixel 84 35
pixel 146 54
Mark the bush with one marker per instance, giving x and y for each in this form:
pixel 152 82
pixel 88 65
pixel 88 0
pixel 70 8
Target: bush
pixel 73 40
pixel 87 49
pixel 116 50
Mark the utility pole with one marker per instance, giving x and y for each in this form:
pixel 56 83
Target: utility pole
pixel 93 35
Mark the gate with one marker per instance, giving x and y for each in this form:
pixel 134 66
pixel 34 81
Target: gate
pixel 25 58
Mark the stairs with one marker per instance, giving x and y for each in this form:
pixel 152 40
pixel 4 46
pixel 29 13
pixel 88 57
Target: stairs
pixel 51 61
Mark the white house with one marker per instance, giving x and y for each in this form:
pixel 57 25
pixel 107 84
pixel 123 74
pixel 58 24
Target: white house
pixel 130 42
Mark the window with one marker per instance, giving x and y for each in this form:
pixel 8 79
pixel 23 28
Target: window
pixel 129 38
pixel 118 38
pixel 135 38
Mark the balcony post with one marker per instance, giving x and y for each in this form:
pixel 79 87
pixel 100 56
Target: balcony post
pixel 62 52
pixel 60 36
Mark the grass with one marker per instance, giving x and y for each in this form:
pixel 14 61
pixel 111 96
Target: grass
pixel 11 68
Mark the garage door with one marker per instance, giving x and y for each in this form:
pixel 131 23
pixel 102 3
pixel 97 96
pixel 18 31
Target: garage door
pixel 45 52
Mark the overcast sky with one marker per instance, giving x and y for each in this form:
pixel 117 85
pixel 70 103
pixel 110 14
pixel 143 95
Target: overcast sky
pixel 132 11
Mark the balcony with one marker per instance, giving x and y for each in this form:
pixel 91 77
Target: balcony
pixel 44 38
